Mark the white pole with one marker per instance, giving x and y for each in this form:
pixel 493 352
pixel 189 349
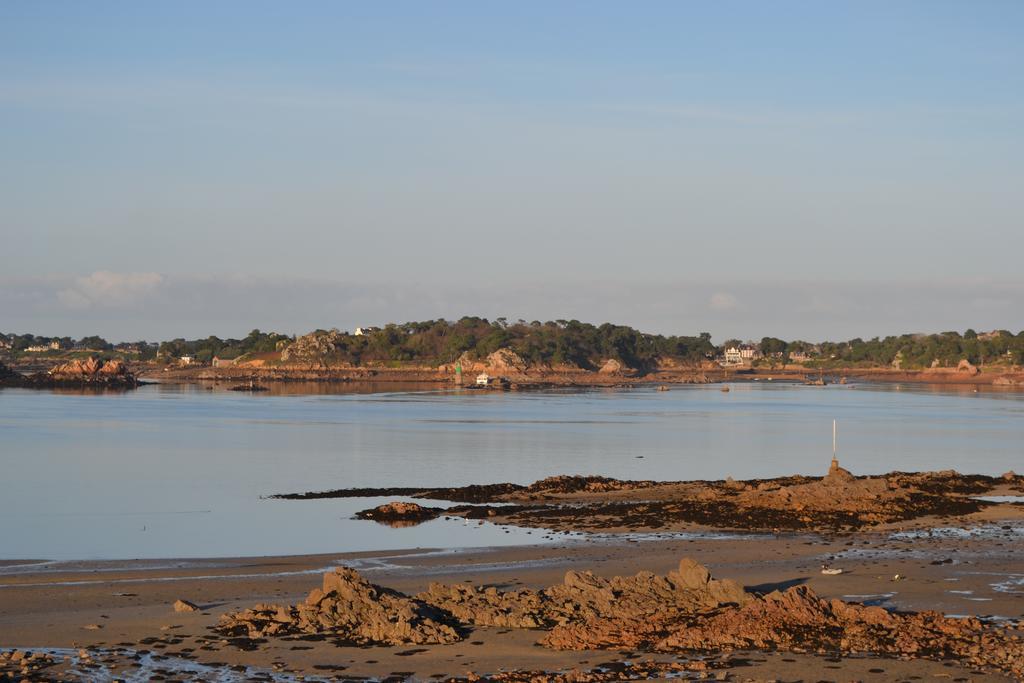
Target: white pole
pixel 833 439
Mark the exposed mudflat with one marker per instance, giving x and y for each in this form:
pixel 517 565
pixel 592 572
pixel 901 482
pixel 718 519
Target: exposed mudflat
pixel 838 501
pixel 960 571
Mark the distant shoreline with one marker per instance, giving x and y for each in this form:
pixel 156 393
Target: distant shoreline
pixel 583 378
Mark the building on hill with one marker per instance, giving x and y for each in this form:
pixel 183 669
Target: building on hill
pixel 361 331
pixel 732 356
pixel 749 353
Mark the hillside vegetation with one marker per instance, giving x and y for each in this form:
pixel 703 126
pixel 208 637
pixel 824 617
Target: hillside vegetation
pixel 555 343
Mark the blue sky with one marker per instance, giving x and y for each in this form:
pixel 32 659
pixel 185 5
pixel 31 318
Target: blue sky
pixel 802 169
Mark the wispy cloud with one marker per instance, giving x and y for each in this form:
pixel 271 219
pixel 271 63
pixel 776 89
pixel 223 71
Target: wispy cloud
pixel 161 306
pixel 723 301
pixel 107 289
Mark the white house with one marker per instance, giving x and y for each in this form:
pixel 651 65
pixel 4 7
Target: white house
pixel 733 356
pixel 186 360
pixel 360 331
pixel 483 379
pixel 52 346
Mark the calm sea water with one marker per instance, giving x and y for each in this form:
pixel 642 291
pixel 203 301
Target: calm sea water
pixel 179 471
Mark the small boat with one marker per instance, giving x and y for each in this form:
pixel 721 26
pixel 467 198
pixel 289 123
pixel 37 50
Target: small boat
pixel 725 389
pixel 830 571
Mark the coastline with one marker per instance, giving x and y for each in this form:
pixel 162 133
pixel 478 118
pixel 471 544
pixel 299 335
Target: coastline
pixel 133 604
pixel 913 555
pixel 1010 380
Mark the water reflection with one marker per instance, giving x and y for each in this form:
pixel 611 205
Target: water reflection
pixel 179 470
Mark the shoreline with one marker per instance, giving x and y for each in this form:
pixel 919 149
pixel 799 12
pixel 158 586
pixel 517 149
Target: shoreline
pixel 140 613
pixel 123 615
pixel 1014 379
pixel 253 377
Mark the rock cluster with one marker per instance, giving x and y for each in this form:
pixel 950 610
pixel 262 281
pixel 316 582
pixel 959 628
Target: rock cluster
pixel 585 599
pixel 314 346
pixel 685 611
pixel 90 372
pixel 88 368
pixel 351 609
pixel 400 513
pixel 797 619
pixel 503 362
pixel 24 664
pixel 584 484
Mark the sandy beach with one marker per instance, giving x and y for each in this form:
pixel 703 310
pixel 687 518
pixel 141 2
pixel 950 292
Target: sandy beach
pixel 103 606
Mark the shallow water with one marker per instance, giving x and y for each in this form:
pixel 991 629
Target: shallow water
pixel 179 471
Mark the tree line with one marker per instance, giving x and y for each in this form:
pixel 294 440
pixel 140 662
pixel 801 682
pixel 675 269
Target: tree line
pixel 563 342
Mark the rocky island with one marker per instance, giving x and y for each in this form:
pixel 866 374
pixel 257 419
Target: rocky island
pixel 88 373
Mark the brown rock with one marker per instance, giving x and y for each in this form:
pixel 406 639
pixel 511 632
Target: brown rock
pixel 400 514
pixel 351 609
pixel 185 606
pixel 965 367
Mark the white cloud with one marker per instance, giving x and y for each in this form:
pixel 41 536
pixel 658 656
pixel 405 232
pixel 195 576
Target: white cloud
pixel 723 301
pixel 130 306
pixel 107 289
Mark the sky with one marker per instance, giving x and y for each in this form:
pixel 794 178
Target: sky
pixel 796 169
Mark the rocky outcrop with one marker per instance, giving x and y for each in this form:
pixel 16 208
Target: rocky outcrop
pixel 88 372
pixel 399 513
pixel 315 346
pixel 583 598
pixel 615 367
pixel 684 611
pixel 500 363
pixel 89 368
pixel 964 367
pixel 506 361
pixel 351 609
pixel 799 619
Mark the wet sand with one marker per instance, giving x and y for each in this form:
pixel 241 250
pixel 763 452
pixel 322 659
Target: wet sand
pixel 54 604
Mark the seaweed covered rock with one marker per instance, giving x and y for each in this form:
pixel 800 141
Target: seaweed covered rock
pixel 400 513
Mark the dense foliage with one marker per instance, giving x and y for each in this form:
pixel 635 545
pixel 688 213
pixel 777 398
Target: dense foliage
pixel 924 350
pixel 204 350
pixel 561 342
pixel 555 342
